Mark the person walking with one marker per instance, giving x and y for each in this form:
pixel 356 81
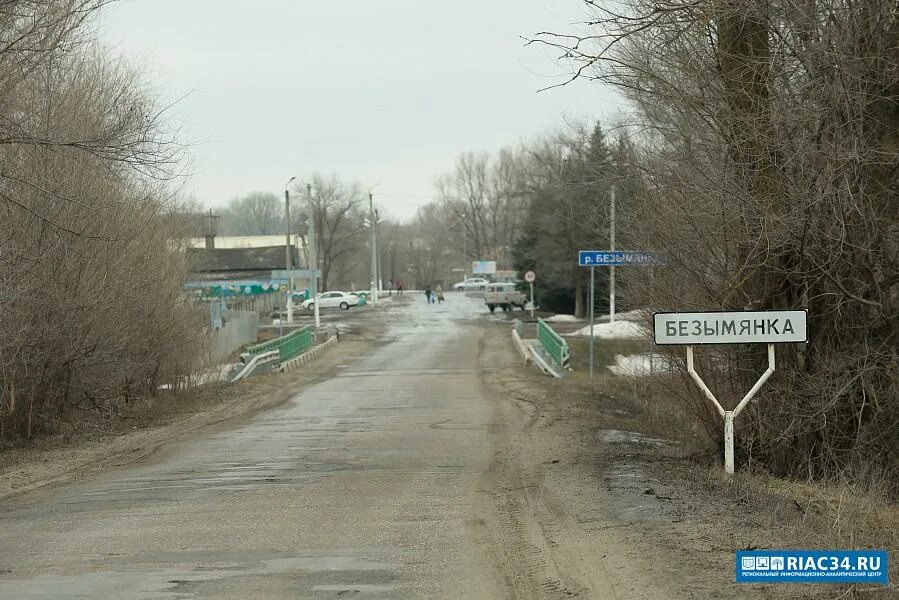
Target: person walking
pixel 440 294
pixel 399 288
pixel 428 293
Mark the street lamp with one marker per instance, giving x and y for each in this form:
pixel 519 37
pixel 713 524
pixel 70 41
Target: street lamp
pixel 288 262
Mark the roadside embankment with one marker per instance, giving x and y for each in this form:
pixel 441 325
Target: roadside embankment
pixel 93 440
pixel 615 466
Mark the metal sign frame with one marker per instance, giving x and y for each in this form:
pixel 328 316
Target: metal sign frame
pixel 729 415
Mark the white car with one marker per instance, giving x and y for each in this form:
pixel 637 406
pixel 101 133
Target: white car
pixel 341 300
pixel 472 283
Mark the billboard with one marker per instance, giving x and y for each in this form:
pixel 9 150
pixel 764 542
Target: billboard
pixel 483 267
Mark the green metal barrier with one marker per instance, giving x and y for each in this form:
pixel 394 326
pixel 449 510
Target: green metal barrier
pixel 287 346
pixel 553 343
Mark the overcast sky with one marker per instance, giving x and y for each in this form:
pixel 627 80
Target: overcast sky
pixel 377 91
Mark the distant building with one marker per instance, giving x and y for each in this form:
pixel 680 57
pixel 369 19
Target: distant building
pixel 243 256
pixel 242 241
pixel 256 263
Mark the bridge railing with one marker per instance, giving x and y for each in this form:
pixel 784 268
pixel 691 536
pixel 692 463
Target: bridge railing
pixel 554 344
pixel 287 346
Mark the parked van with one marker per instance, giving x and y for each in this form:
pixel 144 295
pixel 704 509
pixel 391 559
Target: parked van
pixel 505 296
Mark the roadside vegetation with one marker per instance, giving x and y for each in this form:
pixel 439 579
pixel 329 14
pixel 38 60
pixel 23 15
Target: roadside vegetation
pixel 661 458
pixel 92 312
pixel 768 171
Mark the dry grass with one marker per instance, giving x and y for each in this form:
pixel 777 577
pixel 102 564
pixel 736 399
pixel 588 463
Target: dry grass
pixel 752 509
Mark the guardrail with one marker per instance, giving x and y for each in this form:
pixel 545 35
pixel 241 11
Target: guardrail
pixel 287 346
pixel 556 347
pixel 258 360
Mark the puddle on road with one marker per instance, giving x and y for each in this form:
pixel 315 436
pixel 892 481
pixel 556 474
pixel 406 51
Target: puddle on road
pixel 637 496
pixel 617 436
pixel 163 584
pixel 354 588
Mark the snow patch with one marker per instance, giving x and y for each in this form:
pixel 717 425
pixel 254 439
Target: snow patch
pixel 619 330
pixel 640 365
pixel 211 375
pixel 561 319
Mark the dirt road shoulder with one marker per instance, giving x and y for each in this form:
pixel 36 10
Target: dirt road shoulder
pixel 587 497
pixel 128 438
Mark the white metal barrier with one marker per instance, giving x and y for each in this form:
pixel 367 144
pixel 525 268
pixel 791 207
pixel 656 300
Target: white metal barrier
pixel 257 360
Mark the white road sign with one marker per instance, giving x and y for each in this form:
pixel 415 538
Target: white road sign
pixel 530 277
pixel 296 274
pixel 749 327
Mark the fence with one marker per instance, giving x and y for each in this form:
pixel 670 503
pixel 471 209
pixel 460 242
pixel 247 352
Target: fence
pixel 554 345
pixel 262 303
pixel 240 328
pixel 287 346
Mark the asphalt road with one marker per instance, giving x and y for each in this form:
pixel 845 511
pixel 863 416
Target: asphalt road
pixel 362 485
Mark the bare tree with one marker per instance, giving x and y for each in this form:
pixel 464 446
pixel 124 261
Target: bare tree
pixel 258 213
pixel 92 302
pixel 466 193
pixel 769 136
pixel 339 222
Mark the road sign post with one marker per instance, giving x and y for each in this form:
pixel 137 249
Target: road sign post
pixel 531 277
pixel 592 312
pixel 741 327
pixel 611 259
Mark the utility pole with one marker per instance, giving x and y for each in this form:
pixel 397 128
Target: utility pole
pixel 464 247
pixel 288 262
pixel 592 314
pixel 380 271
pixel 374 250
pixel 612 243
pixel 313 257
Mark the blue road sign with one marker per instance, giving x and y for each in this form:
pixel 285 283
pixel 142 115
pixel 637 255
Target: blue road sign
pixel 617 258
